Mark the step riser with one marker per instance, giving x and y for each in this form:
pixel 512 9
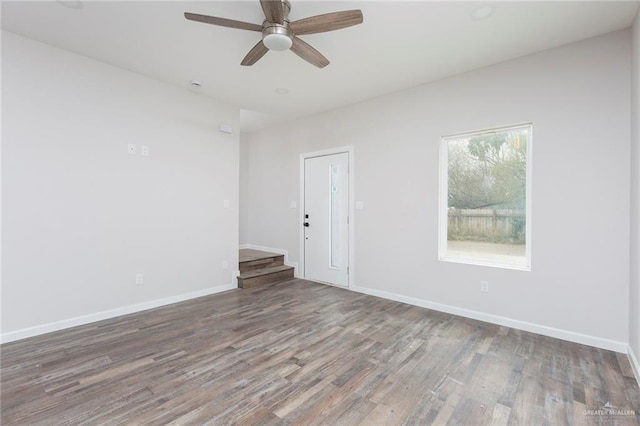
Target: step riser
pixel 265 279
pixel 261 263
pixel 259 268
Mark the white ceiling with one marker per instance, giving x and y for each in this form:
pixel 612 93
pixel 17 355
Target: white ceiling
pixel 401 44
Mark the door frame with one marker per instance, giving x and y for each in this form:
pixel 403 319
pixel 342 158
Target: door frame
pixel 323 153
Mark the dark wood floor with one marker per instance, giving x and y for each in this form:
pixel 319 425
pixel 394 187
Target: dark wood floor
pixel 303 353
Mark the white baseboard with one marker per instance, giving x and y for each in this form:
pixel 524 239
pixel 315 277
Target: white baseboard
pixel 277 251
pixel 570 336
pixel 635 365
pixel 99 316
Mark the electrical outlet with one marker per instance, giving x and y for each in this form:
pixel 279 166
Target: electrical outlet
pixel 139 278
pixel 225 264
pixel 131 148
pixel 484 286
pixel 144 150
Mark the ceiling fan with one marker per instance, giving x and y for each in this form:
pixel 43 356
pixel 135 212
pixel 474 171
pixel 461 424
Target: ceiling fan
pixel 278 33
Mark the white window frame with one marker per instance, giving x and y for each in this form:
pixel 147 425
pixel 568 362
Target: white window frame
pixel 444 204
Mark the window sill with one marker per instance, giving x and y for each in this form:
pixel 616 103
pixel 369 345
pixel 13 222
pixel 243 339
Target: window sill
pixel 492 264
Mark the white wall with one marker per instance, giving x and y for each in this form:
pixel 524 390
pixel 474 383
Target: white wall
pixel 634 293
pixel 81 217
pixel 577 96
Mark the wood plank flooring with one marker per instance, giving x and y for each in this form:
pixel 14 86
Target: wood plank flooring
pixel 303 353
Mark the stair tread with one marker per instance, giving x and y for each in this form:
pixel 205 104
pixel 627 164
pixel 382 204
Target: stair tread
pixel 251 255
pixel 265 271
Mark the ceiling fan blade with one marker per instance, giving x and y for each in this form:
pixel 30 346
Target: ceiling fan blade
pixel 223 22
pixel 327 22
pixel 257 52
pixel 273 10
pixel 308 53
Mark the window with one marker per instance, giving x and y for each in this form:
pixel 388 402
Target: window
pixel 485 197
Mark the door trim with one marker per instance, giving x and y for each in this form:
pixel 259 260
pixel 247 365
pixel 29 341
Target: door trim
pixel 323 153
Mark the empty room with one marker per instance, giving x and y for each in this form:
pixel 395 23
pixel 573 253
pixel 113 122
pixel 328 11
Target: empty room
pixel 296 212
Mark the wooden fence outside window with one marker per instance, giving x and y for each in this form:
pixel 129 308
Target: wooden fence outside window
pixel 505 226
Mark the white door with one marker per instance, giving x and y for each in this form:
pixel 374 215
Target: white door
pixel 326 220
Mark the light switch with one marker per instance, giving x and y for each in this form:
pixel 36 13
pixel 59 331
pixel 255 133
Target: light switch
pixel 359 205
pixel 294 204
pixel 225 204
pixel 144 150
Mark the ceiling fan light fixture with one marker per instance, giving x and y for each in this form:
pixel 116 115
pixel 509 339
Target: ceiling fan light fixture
pixel 277 42
pixel 277 37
